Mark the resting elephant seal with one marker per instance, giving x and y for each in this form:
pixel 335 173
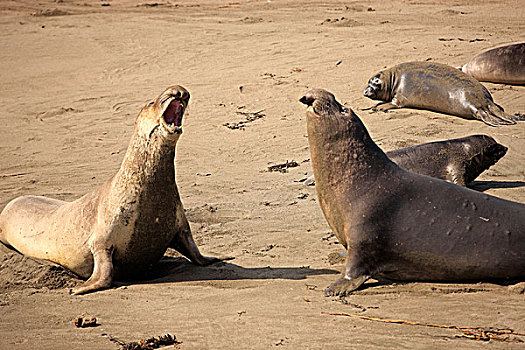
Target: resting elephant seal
pixel 436 87
pixel 505 64
pixel 400 225
pixel 459 161
pixel 124 226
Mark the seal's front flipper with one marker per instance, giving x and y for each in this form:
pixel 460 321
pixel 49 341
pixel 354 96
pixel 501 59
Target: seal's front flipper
pixel 102 273
pixel 344 285
pixel 370 108
pixel 356 273
pixel 456 174
pixel 385 107
pixel 183 243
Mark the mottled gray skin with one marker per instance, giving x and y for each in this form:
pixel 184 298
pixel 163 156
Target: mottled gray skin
pixel 505 64
pixel 123 227
pixel 459 161
pixel 436 87
pixel 400 225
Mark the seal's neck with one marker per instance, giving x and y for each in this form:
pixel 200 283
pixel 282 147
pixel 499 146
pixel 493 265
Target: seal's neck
pixel 148 166
pixel 387 92
pixel 343 154
pixel 347 165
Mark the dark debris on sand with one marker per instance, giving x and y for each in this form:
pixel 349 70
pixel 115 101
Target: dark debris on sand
pixel 283 167
pixel 152 343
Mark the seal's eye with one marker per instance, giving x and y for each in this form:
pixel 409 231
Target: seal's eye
pixel 375 81
pixel 150 103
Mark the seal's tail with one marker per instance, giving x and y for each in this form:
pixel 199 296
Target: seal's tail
pixel 495 116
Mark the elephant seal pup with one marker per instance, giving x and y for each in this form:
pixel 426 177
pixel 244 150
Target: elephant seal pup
pixel 459 161
pixel 401 225
pixel 436 87
pixel 124 226
pixel 505 64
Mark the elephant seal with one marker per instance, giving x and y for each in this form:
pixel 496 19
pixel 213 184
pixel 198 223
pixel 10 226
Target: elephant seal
pixel 504 64
pixel 125 225
pixel 459 161
pixel 400 225
pixel 436 87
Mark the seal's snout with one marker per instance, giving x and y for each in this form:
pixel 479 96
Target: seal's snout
pixel 369 92
pixel 180 94
pixel 307 100
pixel 374 85
pixel 175 92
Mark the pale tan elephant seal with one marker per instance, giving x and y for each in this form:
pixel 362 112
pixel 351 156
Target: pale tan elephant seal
pixel 504 64
pixel 436 87
pixel 124 226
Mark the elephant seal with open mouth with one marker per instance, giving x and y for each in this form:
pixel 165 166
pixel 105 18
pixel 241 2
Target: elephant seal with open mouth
pixel 125 225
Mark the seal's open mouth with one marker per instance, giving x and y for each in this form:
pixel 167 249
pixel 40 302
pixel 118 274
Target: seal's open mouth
pixel 172 116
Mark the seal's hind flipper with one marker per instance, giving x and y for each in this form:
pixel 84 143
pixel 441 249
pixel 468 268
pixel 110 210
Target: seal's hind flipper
pixel 494 116
pixel 520 117
pixel 102 275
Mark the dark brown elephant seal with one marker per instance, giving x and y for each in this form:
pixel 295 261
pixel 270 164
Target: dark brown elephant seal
pixel 400 225
pixel 504 64
pixel 459 161
pixel 436 87
pixel 124 226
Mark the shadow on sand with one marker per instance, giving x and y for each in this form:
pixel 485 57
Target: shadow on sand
pixel 482 186
pixel 169 270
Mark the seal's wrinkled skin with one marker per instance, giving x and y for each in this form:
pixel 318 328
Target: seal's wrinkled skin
pixel 436 87
pixel 124 226
pixel 400 225
pixel 505 64
pixel 459 161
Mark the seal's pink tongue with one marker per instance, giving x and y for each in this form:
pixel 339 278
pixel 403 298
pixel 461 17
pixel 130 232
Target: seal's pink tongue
pixel 173 114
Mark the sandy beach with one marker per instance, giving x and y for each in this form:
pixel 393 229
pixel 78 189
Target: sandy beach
pixel 74 77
